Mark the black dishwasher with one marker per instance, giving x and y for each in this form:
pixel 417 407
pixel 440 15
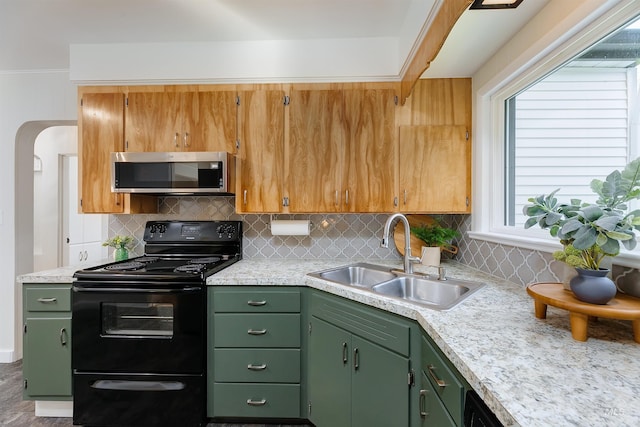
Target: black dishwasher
pixel 477 413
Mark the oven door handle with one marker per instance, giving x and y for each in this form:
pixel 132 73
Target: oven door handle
pixel 138 385
pixel 138 290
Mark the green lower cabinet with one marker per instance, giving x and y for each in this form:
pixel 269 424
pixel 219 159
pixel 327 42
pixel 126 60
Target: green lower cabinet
pixel 432 411
pixel 329 375
pixel 47 359
pixel 256 400
pixel 47 341
pixel 379 387
pixel 353 381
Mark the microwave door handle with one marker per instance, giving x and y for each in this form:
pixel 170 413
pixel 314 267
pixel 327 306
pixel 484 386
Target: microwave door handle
pixel 138 385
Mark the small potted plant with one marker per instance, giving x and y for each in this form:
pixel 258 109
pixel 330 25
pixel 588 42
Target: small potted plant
pixel 122 244
pixel 435 238
pixel 590 231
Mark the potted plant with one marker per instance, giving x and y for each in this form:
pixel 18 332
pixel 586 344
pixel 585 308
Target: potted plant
pixel 590 231
pixel 122 244
pixel 435 237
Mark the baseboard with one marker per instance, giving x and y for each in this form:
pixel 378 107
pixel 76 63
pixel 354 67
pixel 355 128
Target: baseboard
pixel 54 409
pixel 7 356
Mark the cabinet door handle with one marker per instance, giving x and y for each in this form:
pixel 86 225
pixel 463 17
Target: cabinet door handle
pixel 438 381
pixel 405 196
pixel 86 255
pixel 423 404
pixel 47 300
pixel 116 198
pixel 256 402
pixel 255 332
pixel 244 197
pixel 63 339
pixel 256 303
pixel 337 198
pixel 346 197
pixel 253 367
pixel 80 256
pixel 186 139
pixel 344 353
pixel 175 139
pixel 356 359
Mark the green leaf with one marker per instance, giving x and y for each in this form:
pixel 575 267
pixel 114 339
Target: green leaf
pixel 591 213
pixel 585 238
pixel 571 226
pixel 612 247
pixel 618 235
pixel 608 223
pixel 552 218
pixel 530 222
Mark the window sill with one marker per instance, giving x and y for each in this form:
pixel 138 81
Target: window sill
pixel 625 259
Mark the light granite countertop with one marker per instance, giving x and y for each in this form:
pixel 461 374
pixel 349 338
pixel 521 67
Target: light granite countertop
pixel 530 372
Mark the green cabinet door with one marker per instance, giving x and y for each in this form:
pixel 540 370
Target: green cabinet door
pixel 379 387
pixel 47 357
pixel 329 375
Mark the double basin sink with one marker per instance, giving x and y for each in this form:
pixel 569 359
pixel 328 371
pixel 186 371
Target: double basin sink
pixel 415 288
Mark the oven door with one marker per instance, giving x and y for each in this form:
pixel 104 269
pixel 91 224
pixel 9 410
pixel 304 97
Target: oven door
pixel 130 328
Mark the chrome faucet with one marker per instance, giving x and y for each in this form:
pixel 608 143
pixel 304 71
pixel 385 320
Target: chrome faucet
pixel 408 259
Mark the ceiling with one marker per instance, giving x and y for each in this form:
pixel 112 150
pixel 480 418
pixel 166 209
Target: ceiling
pixel 36 34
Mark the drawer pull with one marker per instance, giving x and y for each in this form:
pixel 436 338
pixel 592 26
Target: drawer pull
pixel 253 367
pixel 254 332
pixel 47 300
pixel 344 353
pixel 438 381
pixel 356 359
pixel 63 339
pixel 423 404
pixel 256 402
pixel 256 303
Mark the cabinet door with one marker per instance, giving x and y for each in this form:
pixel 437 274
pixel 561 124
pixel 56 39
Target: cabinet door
pixel 316 152
pixel 261 154
pixel 380 389
pixel 368 172
pixel 432 411
pixel 209 121
pixel 329 375
pixel 435 169
pixel 154 121
pixel 101 133
pixel 47 357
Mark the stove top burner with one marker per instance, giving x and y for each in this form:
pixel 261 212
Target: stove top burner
pixel 147 259
pixel 126 266
pixel 205 260
pixel 190 268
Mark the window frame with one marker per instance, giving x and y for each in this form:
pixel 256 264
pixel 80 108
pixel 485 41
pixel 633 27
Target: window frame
pixel 541 59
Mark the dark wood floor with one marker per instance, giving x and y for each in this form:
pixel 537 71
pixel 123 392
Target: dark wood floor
pixel 15 412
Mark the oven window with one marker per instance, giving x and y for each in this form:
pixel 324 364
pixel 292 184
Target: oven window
pixel 137 319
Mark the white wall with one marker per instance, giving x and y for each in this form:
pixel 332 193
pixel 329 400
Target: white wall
pixel 49 145
pixel 45 97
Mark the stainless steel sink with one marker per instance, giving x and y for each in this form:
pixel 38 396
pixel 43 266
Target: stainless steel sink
pixel 361 275
pixel 436 294
pixel 415 288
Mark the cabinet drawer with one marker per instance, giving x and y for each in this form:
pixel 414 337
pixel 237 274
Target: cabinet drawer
pixel 261 365
pixel 432 410
pixel 256 300
pixel 48 298
pixel 256 400
pixel 370 323
pixel 256 330
pixel 452 390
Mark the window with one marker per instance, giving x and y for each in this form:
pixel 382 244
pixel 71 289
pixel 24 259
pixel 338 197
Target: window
pixel 578 123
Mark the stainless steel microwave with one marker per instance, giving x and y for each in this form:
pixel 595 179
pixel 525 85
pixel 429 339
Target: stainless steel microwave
pixel 173 172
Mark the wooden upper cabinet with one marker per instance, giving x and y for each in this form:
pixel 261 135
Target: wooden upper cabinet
pixel 260 160
pixel 342 151
pixel 154 121
pixel 181 121
pixel 435 169
pixel 210 120
pixel 369 178
pixel 101 130
pixel 316 155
